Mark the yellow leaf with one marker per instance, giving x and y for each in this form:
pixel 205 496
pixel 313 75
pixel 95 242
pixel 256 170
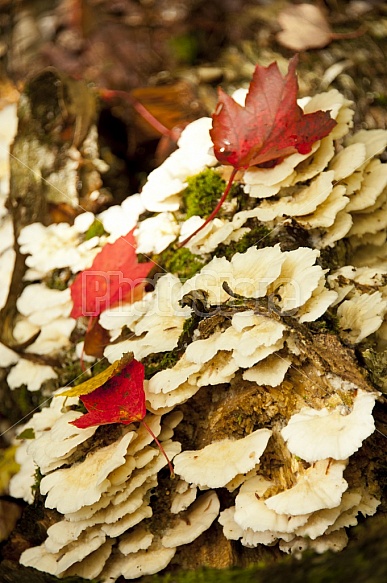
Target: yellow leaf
pixel 100 379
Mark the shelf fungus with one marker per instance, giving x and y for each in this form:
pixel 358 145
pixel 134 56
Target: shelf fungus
pixel 206 468
pixel 245 336
pixel 300 517
pixel 102 493
pixel 333 433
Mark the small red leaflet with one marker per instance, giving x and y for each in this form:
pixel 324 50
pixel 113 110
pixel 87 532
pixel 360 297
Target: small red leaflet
pixel 120 400
pixel 268 128
pixel 114 273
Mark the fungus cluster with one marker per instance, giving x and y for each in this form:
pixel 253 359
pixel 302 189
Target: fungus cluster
pixel 362 302
pixel 58 246
pixel 103 494
pixel 312 511
pixel 248 336
pixel 250 342
pixel 337 190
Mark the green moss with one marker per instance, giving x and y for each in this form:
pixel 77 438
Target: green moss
pixel 203 193
pixel 19 403
pixel 188 327
pixel 258 237
pixel 37 479
pixel 72 373
pixel 159 361
pixel 95 230
pixel 99 366
pixel 162 360
pixel 328 323
pixel 181 262
pixel 380 99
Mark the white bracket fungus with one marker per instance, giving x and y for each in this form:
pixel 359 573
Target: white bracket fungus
pixel 216 464
pixel 270 371
pixel 335 542
pixel 321 486
pixel 251 512
pixel 134 565
pixel 248 274
pixel 160 327
pixel 183 497
pixel 195 521
pixel 91 566
pixel 69 489
pixel 30 373
pixel 314 434
pixel 139 539
pixel 361 315
pixel 51 449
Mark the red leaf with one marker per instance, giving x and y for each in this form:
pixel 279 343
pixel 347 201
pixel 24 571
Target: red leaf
pixel 113 274
pixel 270 126
pixel 120 400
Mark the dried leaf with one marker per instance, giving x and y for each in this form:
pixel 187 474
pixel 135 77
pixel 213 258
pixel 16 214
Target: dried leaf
pixel 304 27
pixel 98 380
pixel 96 339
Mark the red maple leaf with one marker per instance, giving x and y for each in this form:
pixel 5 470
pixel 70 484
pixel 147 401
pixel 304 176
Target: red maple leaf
pixel 120 400
pixel 113 274
pixel 268 128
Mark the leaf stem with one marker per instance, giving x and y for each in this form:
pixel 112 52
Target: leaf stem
pixel 344 35
pixel 171 470
pixel 139 107
pixel 216 209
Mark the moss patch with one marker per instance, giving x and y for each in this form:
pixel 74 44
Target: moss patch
pixel 72 373
pixel 335 257
pixel 203 193
pixel 179 261
pixel 259 236
pixel 19 403
pixel 159 361
pixel 328 323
